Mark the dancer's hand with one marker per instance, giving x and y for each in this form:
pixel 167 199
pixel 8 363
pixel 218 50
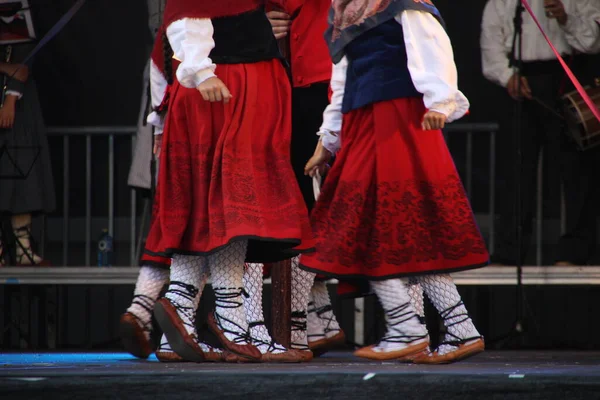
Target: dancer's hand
pixel 555 9
pixel 213 89
pixel 7 113
pixel 318 162
pixel 280 22
pixel 433 120
pixel 157 145
pixel 513 87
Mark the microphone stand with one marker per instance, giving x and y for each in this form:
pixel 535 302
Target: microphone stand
pixel 516 62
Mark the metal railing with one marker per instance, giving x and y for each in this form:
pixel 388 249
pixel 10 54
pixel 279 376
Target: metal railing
pixel 110 133
pixel 491 130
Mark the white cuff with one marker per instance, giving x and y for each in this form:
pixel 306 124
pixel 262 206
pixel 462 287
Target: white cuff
pixel 19 95
pixel 156 121
pixel 330 140
pixel 453 109
pixel 191 79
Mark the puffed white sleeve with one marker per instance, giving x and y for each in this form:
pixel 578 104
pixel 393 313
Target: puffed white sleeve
pixel 332 116
pixel 582 29
pixel 192 42
pixel 431 64
pixel 158 89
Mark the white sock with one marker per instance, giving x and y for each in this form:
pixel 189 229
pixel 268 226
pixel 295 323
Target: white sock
pixel 149 283
pixel 227 272
pixel 253 306
pixel 302 282
pixel 403 326
pixel 442 292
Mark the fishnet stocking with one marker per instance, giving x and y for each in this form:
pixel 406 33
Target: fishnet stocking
pixel 227 271
pixel 149 283
pixel 442 292
pixel 415 292
pixel 403 326
pixel 188 277
pixel 302 282
pixel 253 306
pixel 324 310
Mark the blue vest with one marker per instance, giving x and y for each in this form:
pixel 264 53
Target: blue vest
pixel 377 67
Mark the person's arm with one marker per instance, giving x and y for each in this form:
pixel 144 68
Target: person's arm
pixel 494 60
pixel 581 26
pixel 431 64
pixel 158 90
pixel 330 142
pixel 192 41
pixel 332 116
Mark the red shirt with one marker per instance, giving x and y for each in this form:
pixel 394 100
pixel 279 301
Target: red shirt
pixel 310 60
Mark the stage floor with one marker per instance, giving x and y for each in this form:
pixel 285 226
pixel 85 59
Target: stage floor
pixel 501 375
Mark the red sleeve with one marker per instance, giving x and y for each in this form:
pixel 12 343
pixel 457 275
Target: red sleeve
pixel 290 7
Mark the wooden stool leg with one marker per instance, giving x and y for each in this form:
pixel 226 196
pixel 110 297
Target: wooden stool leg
pixel 281 302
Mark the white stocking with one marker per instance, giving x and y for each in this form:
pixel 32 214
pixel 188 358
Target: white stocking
pixel 403 326
pixel 164 346
pixel 415 291
pixel 227 273
pixel 302 282
pixel 442 292
pixel 149 283
pixel 316 329
pixel 324 310
pixel 188 277
pixel 253 306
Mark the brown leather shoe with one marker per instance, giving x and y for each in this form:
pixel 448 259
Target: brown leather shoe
pixel 307 355
pixel 168 357
pixel 246 350
pixel 370 353
pixel 133 336
pixel 181 341
pixel 463 351
pixel 289 356
pixel 322 346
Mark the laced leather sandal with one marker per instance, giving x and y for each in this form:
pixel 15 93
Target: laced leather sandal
pixel 464 347
pixel 240 345
pixel 414 343
pixel 283 356
pixel 27 258
pixel 328 343
pixel 134 335
pixel 176 329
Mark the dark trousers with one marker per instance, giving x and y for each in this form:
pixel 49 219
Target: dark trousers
pixel 308 104
pixel 578 170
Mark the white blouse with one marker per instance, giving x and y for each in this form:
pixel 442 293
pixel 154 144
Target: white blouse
pixel 158 88
pixel 432 70
pixel 581 33
pixel 192 41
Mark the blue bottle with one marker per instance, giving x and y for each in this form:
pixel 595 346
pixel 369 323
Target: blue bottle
pixel 105 249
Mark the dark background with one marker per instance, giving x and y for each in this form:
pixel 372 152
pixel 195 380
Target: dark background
pixel 91 74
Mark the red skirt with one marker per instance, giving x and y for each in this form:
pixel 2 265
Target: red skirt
pixel 225 170
pixel 393 204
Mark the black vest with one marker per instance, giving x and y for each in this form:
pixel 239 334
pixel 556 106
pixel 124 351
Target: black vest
pixel 244 38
